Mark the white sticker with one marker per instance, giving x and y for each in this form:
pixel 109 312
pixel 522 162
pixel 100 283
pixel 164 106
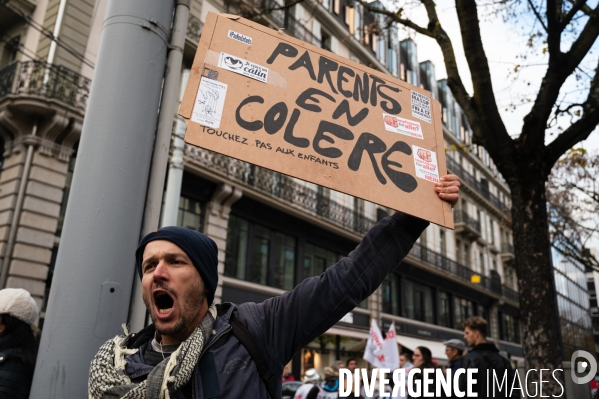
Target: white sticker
pixel 426 164
pixel 239 37
pixel 421 106
pixel 208 107
pixel 403 126
pixel 243 67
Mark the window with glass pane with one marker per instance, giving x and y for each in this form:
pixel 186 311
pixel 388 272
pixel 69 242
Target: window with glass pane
pixel 317 259
pixel 237 245
pixel 284 261
pixel 260 252
pixel 391 295
pixel 444 309
pixel 190 214
pixel 419 302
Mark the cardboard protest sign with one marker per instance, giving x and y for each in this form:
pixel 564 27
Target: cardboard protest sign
pixel 264 97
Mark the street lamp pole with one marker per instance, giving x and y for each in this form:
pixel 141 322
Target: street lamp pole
pixel 93 277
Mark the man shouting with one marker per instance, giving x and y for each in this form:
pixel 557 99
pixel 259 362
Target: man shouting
pixel 196 349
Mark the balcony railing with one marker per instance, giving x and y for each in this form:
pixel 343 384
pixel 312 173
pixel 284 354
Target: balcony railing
pixel 194 29
pixel 507 248
pixel 441 262
pixel 36 78
pixel 460 216
pixel 282 187
pixel 471 181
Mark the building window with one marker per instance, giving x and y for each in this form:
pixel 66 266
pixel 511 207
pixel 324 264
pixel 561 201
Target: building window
pixel 444 309
pixel 317 259
pixel 509 328
pixel 464 309
pixel 191 214
pixel 391 295
pixel 260 252
pixel 237 243
pixel 419 302
pixel 284 261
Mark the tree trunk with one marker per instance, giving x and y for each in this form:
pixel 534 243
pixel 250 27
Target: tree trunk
pixel 539 314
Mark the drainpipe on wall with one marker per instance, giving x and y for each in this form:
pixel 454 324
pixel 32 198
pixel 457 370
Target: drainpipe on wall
pixel 12 234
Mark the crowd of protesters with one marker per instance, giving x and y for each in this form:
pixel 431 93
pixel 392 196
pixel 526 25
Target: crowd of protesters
pixel 475 352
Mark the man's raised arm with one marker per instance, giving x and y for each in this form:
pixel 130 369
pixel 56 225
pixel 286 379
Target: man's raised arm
pixel 286 323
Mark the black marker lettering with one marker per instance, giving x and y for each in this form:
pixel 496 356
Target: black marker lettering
pixel 403 181
pixel 395 107
pixel 336 130
pixel 325 67
pixel 251 126
pixel 343 108
pixel 372 145
pixel 373 89
pixel 275 118
pixel 304 62
pixel 308 95
pixel 283 49
pixel 361 89
pixel 289 137
pixel 340 79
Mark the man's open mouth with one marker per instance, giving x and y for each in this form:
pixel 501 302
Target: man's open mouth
pixel 164 301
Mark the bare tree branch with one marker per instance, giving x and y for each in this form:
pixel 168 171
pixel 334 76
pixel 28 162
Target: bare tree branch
pixel 579 130
pixel 539 17
pixel 577 5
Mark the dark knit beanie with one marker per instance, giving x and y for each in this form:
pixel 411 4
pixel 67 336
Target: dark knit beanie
pixel 201 250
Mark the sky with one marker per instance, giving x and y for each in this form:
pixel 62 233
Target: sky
pixel 505 43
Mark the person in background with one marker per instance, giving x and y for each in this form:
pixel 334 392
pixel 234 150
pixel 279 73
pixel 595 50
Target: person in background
pixel 287 376
pixel 18 345
pixel 454 349
pixel 405 361
pixel 329 388
pixel 484 356
pixel 423 359
pixel 352 364
pixel 310 380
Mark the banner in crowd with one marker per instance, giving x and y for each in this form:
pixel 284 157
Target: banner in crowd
pixel 382 353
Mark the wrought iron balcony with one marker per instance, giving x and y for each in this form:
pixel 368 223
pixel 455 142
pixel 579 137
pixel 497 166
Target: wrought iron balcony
pixel 465 224
pixel 441 262
pixel 282 187
pixel 507 252
pixel 467 178
pixel 194 29
pixel 38 79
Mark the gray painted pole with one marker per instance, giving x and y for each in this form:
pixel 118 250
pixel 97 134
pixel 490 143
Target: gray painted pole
pixel 94 273
pixel 170 212
pixel 137 312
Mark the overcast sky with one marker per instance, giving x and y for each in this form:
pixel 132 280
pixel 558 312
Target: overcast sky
pixel 505 43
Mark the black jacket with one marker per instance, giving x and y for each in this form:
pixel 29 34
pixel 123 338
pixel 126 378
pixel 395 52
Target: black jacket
pixel 284 324
pixel 486 358
pixel 15 377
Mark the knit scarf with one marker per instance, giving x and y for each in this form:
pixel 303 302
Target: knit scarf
pixel 108 380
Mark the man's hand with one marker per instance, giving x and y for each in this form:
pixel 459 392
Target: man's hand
pixel 449 189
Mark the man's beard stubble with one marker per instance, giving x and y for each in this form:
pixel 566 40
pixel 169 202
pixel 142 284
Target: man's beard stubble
pixel 193 301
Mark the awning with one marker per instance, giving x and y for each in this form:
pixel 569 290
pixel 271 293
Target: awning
pixel 348 333
pixel 437 348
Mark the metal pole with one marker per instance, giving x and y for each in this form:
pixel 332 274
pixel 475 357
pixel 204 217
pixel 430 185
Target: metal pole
pixel 170 211
pixel 93 277
pixel 12 234
pixel 137 311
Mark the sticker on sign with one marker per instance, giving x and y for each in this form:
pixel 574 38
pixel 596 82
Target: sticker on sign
pixel 426 165
pixel 208 107
pixel 403 126
pixel 421 107
pixel 243 67
pixel 239 37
